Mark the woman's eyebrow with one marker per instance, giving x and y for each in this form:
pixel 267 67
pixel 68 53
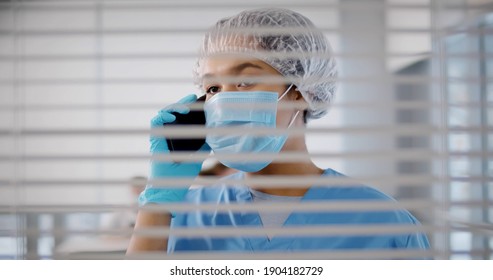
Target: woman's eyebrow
pixel 243 66
pixel 236 69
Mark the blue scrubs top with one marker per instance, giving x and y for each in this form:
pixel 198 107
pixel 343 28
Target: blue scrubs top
pixel 241 194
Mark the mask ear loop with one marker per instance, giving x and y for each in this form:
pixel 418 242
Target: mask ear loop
pixel 286 92
pixel 294 118
pixel 297 112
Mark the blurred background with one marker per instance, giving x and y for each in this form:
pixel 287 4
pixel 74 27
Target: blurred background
pixel 80 81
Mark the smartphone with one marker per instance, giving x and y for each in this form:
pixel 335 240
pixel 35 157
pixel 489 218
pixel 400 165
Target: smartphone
pixel 194 117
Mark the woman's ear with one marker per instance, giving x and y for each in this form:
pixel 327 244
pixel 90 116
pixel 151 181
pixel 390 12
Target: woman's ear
pixel 299 98
pixel 298 95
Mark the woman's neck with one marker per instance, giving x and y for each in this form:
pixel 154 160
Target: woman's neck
pixel 301 167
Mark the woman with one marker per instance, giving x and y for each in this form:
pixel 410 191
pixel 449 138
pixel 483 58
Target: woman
pixel 248 73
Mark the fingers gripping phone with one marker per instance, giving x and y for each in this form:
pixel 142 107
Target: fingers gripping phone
pixel 194 117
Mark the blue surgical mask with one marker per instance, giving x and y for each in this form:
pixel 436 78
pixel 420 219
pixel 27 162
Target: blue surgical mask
pixel 248 110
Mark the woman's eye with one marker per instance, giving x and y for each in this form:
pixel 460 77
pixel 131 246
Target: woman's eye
pixel 212 90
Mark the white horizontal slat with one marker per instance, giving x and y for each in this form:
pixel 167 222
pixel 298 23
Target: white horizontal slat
pixel 316 4
pixel 368 79
pixel 45 70
pixel 150 46
pixel 270 181
pixel 58 45
pixel 148 69
pixel 127 144
pixel 181 131
pixel 71 20
pixel 123 98
pixel 7 70
pixel 333 230
pixel 137 19
pixel 406 18
pixel 409 43
pixel 6 43
pixel 197 31
pixel 6 120
pixel 62 119
pixel 311 206
pixel 59 95
pixel 338 255
pixel 122 53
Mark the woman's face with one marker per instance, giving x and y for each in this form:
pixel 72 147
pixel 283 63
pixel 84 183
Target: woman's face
pixel 216 70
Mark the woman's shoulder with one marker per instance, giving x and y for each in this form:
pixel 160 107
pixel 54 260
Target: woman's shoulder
pixel 362 192
pixel 350 192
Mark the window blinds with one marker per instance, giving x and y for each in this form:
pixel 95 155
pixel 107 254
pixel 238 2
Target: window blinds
pixel 80 81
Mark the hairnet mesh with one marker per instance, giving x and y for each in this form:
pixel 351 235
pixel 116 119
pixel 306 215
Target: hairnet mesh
pixel 287 41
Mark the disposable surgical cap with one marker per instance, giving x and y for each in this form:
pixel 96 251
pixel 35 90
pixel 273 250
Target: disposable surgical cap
pixel 287 41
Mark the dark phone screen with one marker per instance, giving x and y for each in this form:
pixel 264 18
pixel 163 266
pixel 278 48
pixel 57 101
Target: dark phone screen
pixel 194 117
